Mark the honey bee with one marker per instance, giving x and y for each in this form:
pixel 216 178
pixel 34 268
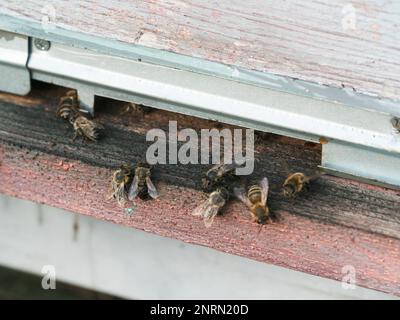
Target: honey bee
pixel 260 136
pixel 69 109
pixel 212 206
pixel 217 175
pixel 85 127
pixel 256 200
pixel 136 109
pixel 120 180
pixel 69 105
pixel 142 186
pixel 296 183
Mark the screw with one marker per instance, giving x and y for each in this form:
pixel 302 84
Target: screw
pixel 396 123
pixel 42 44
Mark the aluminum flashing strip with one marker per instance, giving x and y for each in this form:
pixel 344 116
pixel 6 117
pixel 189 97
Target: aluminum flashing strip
pixel 14 52
pixel 373 165
pixel 220 99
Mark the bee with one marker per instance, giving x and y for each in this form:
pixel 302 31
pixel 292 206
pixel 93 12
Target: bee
pixel 256 200
pixel 69 109
pixel 69 105
pixel 296 183
pixel 142 185
pixel 85 127
pixel 120 180
pixel 136 109
pixel 260 136
pixel 212 206
pixel 217 175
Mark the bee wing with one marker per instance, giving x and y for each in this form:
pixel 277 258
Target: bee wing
pixel 223 168
pixel 207 211
pixel 133 189
pixel 209 215
pixel 87 123
pixel 82 121
pixel 199 210
pixel 89 127
pixel 264 184
pixel 230 166
pixel 240 193
pixel 151 189
pixel 120 195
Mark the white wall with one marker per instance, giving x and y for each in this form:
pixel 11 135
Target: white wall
pixel 134 264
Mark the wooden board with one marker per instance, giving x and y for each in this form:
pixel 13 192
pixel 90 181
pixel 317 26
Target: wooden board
pixel 336 43
pixel 338 223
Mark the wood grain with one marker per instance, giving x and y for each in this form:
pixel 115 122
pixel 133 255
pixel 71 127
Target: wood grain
pixel 39 162
pixel 294 242
pixel 308 40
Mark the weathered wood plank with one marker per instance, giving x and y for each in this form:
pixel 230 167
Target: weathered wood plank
pixel 294 242
pixel 337 43
pixel 39 162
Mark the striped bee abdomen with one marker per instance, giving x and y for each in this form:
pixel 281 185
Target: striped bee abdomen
pixel 254 194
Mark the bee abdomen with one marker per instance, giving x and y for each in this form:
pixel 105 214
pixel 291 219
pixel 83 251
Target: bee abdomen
pixel 65 111
pixel 254 193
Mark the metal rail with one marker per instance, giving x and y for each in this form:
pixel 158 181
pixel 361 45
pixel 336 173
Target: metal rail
pixel 14 52
pixel 360 140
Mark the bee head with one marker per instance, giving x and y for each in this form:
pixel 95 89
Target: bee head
pixel 121 176
pixel 224 193
pixel 288 190
pixel 142 172
pixel 123 173
pixel 261 213
pixel 125 168
pixel 206 183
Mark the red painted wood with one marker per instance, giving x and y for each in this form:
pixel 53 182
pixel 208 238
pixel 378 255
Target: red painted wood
pixel 294 242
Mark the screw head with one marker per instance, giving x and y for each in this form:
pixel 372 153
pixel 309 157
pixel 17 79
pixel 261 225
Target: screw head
pixel 41 44
pixel 395 123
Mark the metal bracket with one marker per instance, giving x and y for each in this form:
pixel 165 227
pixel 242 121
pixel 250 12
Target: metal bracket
pixel 365 164
pixel 86 97
pixel 14 53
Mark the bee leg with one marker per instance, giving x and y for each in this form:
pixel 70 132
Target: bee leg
pixel 90 138
pixel 78 133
